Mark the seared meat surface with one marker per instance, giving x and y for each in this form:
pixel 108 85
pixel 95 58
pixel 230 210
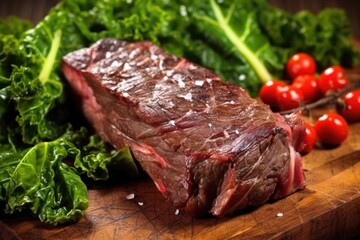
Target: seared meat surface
pixel 207 145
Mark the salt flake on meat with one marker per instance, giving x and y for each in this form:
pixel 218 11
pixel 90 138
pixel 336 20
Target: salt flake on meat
pixel 187 96
pixel 199 82
pixel 130 196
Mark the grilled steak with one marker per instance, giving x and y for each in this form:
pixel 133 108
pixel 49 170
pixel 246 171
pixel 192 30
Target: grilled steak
pixel 207 145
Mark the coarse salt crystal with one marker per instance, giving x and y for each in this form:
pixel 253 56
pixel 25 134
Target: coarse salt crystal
pixel 199 83
pixel 115 64
pixel 192 67
pixel 130 196
pixel 180 79
pixel 170 104
pixel 126 67
pixel 187 96
pixel 153 57
pixel 188 113
pixel 177 211
pixel 140 203
pixel 169 73
pixel 280 214
pixel 134 52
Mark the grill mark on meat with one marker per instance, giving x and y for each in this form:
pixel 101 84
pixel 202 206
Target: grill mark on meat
pixel 208 147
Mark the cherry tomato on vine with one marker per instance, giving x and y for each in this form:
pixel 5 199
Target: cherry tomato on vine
pixel 300 64
pixel 351 110
pixel 331 129
pixel 309 140
pixel 268 92
pixel 308 85
pixel 332 78
pixel 289 97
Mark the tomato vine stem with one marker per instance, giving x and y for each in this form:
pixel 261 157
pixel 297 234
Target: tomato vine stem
pixel 328 99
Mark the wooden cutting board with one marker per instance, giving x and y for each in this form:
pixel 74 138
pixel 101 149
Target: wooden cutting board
pixel 329 208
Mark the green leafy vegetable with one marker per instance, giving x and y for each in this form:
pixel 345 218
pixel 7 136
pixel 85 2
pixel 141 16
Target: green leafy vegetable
pixel 98 159
pixel 238 41
pixel 326 36
pixel 43 183
pixel 35 118
pixel 249 41
pixel 38 178
pixel 231 28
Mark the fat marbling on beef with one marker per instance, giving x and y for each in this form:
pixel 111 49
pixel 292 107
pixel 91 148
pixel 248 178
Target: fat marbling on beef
pixel 207 145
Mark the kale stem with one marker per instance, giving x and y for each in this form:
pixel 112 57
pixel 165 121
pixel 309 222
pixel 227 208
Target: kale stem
pixel 252 59
pixel 51 57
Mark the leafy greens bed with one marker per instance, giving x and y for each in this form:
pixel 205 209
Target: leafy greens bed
pixel 46 151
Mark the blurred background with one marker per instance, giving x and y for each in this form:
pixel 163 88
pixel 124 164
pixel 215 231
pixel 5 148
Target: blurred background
pixel 37 9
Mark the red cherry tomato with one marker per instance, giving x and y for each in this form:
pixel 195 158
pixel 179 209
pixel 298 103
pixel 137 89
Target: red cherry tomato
pixel 309 140
pixel 268 92
pixel 300 64
pixel 351 110
pixel 333 78
pixel 308 85
pixel 289 97
pixel 331 129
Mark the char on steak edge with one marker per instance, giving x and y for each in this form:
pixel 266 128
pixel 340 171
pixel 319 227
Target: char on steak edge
pixel 207 145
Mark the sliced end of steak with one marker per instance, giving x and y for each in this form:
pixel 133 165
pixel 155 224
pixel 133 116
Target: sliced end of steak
pixel 207 145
